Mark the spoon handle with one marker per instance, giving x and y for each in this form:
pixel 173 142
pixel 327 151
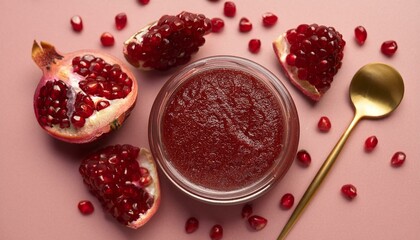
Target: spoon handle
pixel 318 179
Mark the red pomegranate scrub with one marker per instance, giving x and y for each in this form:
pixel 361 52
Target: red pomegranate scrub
pixel 223 127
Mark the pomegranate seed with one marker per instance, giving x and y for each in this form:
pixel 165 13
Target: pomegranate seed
pixel 324 124
pixel 360 34
pixel 269 19
pixel 257 222
pixel 389 47
pixel 107 39
pixel 246 211
pixel 303 158
pixel 398 159
pixel 229 9
pixel 245 25
pixel 191 225
pixel 349 191
pixel 287 201
pixel 370 143
pixel 143 2
pixel 254 45
pixel 217 24
pixel 120 21
pixel 76 23
pixel 85 207
pixel 216 232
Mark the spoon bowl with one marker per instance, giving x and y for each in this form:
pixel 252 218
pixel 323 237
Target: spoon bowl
pixel 376 90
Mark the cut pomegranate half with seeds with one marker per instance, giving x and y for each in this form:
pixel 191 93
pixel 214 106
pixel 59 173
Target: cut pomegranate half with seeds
pixel 310 56
pixel 124 179
pixel 167 43
pixel 82 94
pixel 257 222
pixel 349 191
pixel 85 207
pixel 191 225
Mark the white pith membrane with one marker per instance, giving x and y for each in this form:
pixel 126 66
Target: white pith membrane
pixel 282 49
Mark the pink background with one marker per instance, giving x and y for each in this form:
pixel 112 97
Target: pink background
pixel 39 180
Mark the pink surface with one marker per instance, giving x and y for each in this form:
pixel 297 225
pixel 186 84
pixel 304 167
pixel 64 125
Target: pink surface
pixel 40 184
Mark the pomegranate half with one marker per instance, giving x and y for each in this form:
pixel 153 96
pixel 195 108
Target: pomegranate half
pixel 82 94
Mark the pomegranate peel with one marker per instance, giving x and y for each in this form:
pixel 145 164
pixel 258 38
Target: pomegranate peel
pixel 81 95
pixel 124 178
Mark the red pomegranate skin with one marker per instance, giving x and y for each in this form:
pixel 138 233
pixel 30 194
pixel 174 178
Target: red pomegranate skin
pixel 223 129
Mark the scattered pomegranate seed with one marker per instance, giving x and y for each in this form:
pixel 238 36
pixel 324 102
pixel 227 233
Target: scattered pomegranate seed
pixel 246 211
pixel 257 222
pixel 107 39
pixel 287 201
pixel 76 23
pixel 389 47
pixel 304 158
pixel 120 21
pixel 269 19
pixel 324 124
pixel 216 232
pixel 85 207
pixel 349 191
pixel 217 24
pixel 370 143
pixel 143 2
pixel 245 25
pixel 191 225
pixel 254 45
pixel 398 159
pixel 360 34
pixel 229 9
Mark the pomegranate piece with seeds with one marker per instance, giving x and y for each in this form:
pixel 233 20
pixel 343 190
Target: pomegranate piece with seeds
pixel 257 222
pixel 229 9
pixel 216 232
pixel 398 159
pixel 107 39
pixel 124 179
pixel 245 25
pixel 389 48
pixel 85 207
pixel 349 191
pixel 76 23
pixel 287 201
pixel 191 225
pixel 310 56
pixel 360 34
pixel 120 21
pixel 370 143
pixel 304 158
pixel 269 19
pixel 217 24
pixel 324 124
pixel 254 45
pixel 81 95
pixel 167 43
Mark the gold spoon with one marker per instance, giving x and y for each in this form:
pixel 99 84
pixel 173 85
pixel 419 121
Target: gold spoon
pixel 375 91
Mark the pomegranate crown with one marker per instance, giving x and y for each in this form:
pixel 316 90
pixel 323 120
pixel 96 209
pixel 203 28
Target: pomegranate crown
pixel 44 54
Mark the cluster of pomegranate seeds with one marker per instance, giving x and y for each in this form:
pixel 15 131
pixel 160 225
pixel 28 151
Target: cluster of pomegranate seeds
pixel 389 48
pixel 398 159
pixel 254 45
pixel 287 201
pixel 304 158
pixel 269 19
pixel 107 39
pixel 246 211
pixel 216 232
pixel 83 109
pixel 316 51
pixel 257 222
pixel 360 34
pixel 217 24
pixel 85 207
pixel 170 42
pixel 229 9
pixel 324 124
pixel 114 176
pixel 245 25
pixel 120 21
pixel 349 191
pixel 191 225
pixel 370 143
pixel 143 2
pixel 76 23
